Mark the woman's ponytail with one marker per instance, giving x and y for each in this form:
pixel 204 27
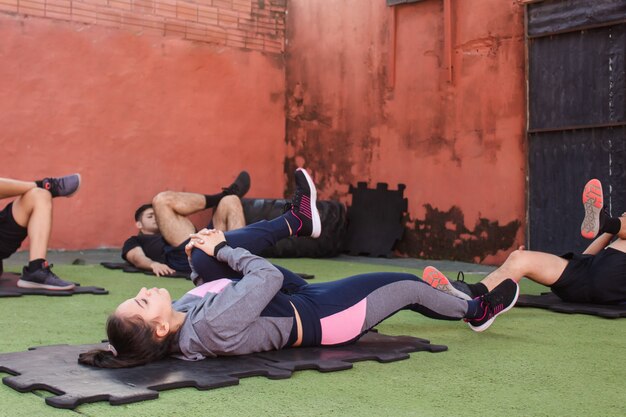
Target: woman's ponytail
pixel 132 342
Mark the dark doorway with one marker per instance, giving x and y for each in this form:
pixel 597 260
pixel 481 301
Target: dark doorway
pixel 577 115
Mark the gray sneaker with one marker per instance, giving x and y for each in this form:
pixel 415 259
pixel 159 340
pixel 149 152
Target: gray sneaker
pixel 438 280
pixel 461 285
pixel 43 278
pixel 62 186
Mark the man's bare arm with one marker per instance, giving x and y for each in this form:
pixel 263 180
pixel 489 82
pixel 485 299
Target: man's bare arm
pixel 138 258
pixel 598 244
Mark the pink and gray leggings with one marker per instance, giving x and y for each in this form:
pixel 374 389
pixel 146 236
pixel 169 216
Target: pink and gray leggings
pixel 334 312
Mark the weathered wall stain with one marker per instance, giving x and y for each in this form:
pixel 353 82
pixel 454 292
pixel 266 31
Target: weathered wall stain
pixel 443 235
pixel 483 47
pixel 370 97
pixel 330 157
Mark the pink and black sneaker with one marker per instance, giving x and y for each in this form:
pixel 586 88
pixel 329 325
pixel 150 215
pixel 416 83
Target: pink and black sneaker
pixel 500 300
pixel 303 207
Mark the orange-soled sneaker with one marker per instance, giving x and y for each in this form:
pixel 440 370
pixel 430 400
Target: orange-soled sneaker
pixel 593 200
pixel 438 280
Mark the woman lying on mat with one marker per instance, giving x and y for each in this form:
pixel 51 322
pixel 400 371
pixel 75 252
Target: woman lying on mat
pixel 255 306
pixel 596 276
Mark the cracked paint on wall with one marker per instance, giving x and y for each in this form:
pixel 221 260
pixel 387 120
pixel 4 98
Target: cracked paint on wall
pixel 444 235
pixel 362 105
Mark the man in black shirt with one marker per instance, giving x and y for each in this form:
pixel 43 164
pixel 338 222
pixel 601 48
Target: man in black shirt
pixel 164 227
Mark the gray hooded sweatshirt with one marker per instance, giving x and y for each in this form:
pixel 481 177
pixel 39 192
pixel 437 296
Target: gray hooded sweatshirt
pixel 224 316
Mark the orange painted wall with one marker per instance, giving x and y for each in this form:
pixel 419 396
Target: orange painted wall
pixel 135 113
pixel 141 96
pixel 358 111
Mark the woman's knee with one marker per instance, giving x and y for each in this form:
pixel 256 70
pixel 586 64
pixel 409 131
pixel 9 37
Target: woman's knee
pixel 209 268
pixel 201 262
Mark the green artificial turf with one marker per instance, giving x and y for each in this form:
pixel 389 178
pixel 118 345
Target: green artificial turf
pixel 531 362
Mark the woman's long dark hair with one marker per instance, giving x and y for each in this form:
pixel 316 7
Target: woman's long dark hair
pixel 134 343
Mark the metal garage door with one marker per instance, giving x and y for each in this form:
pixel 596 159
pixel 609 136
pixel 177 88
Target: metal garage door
pixel 577 115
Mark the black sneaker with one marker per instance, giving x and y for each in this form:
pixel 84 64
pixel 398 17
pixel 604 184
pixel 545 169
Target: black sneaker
pixel 240 187
pixel 43 278
pixel 62 186
pixel 461 285
pixel 304 205
pixel 500 300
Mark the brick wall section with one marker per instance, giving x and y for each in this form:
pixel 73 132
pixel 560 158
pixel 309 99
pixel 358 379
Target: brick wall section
pixel 249 24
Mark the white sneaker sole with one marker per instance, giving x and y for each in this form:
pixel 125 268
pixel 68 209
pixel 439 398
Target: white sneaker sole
pixel 315 215
pixel 449 289
pixel 80 181
pixel 32 285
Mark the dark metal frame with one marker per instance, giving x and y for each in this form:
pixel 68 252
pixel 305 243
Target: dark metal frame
pixel 563 154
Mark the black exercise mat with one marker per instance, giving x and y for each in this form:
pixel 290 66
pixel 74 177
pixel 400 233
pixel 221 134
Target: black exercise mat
pixel 9 288
pixel 55 369
pixel 126 267
pixel 551 301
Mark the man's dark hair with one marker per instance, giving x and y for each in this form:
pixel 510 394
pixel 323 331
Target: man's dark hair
pixel 140 211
